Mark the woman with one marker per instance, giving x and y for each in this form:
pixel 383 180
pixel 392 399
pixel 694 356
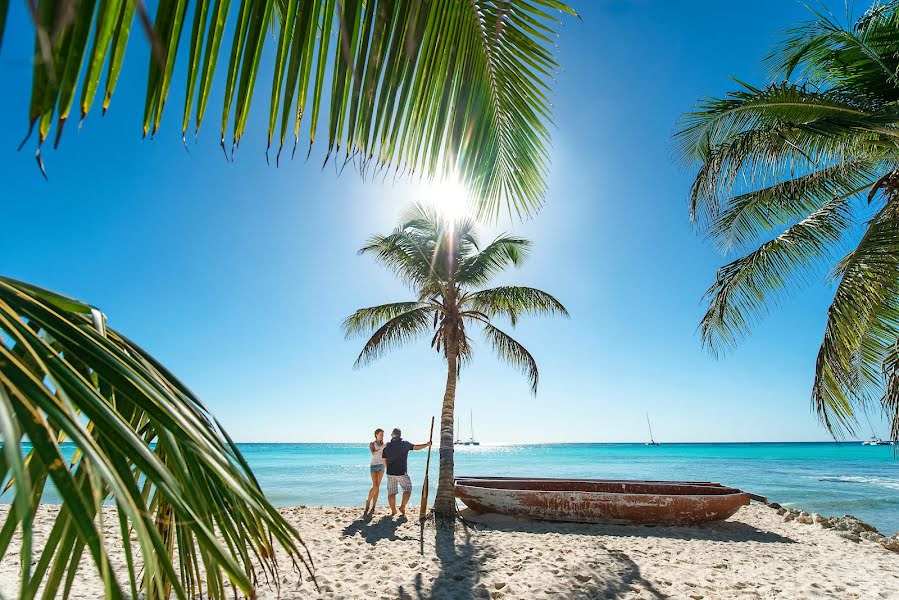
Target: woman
pixel 376 469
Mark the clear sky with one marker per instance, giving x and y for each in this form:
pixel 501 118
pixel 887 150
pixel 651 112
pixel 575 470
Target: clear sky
pixel 237 275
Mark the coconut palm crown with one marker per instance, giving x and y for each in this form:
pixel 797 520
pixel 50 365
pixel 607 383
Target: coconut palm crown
pixel 789 175
pixel 445 265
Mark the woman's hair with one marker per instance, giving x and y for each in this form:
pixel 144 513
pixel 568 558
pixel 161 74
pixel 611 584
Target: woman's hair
pixel 378 430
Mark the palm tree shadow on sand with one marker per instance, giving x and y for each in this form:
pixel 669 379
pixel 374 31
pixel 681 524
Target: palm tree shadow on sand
pixel 464 557
pixel 374 531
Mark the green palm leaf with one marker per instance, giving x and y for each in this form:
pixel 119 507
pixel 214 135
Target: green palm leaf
pixel 750 216
pixel 743 287
pixel 512 352
pixel 790 161
pixel 394 333
pixel 439 88
pixel 505 251
pixel 142 441
pixel 366 320
pixel 513 301
pixel 862 322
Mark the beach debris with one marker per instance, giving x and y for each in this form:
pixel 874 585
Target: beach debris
pixel 804 518
pixel 775 506
pixel 820 519
pixel 790 515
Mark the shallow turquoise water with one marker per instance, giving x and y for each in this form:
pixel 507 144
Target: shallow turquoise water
pixel 829 478
pixel 825 477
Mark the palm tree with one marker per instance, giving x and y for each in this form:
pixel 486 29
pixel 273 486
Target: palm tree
pixel 444 265
pixel 791 173
pixel 427 86
pixel 430 87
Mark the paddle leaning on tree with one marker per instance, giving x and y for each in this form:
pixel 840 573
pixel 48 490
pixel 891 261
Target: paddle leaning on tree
pixel 395 455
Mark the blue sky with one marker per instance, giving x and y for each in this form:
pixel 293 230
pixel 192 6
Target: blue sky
pixel 237 275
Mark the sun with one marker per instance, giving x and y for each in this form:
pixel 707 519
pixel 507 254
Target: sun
pixel 450 198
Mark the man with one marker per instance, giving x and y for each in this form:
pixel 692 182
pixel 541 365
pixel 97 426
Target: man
pixel 395 454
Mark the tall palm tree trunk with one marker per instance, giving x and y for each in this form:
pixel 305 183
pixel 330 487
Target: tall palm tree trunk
pixel 445 501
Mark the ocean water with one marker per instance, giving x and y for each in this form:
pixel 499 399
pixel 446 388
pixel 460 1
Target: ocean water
pixel 830 478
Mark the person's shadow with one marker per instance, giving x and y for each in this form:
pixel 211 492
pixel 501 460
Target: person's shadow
pixel 385 528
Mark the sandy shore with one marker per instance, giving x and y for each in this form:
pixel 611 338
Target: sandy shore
pixel 755 554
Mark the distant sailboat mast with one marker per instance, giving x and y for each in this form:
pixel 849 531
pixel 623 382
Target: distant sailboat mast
pixel 652 441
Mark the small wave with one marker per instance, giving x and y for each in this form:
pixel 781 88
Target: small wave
pixel 884 482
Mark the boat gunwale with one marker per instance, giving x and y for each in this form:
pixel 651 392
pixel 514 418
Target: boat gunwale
pixel 622 495
pixel 661 488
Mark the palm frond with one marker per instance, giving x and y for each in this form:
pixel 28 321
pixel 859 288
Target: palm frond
pixel 752 215
pixel 862 316
pixel 863 57
pixel 409 256
pixel 427 87
pixel 759 138
pixel 890 399
pixel 396 332
pixel 716 121
pixel 366 320
pixel 505 251
pixel 744 287
pixel 513 301
pixel 512 352
pixel 143 441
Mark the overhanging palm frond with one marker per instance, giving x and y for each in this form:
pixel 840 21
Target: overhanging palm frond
pixel 749 216
pixel 761 136
pixel 512 352
pixel 433 87
pixel 862 57
pixel 506 250
pixel 790 157
pixel 395 332
pixel 513 301
pixel 743 287
pixel 141 440
pixel 366 320
pixel 862 318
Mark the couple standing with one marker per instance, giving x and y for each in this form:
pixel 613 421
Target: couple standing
pixel 392 458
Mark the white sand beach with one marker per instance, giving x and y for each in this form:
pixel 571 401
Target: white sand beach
pixel 755 554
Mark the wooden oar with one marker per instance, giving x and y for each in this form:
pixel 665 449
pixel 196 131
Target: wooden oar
pixel 423 510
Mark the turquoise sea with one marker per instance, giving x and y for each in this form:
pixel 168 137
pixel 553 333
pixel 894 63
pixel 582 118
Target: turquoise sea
pixel 830 478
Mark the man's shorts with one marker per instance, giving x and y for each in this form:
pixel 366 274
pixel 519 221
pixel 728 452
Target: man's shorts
pixel 402 480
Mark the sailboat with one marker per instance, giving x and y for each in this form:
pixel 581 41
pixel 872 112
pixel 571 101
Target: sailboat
pixel 458 440
pixel 471 441
pixel 651 441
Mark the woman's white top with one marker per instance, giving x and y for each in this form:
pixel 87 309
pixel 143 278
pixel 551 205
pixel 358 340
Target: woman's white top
pixel 376 455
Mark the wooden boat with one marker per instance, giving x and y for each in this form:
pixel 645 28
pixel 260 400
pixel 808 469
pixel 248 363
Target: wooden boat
pixel 603 501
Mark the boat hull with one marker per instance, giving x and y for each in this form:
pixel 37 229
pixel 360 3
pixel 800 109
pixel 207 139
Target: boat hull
pixel 602 501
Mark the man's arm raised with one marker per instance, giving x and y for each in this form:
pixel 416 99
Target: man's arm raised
pixel 420 446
